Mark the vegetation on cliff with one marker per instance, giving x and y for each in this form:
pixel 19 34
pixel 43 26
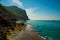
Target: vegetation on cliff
pixel 18 13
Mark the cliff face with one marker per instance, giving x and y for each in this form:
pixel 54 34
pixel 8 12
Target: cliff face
pixel 18 12
pixel 10 14
pixel 14 12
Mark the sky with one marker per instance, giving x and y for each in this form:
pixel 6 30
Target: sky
pixel 37 9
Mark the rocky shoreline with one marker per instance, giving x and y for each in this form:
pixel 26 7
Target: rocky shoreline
pixel 27 34
pixel 21 31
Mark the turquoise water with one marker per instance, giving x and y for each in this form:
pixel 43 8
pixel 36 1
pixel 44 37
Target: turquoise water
pixel 47 28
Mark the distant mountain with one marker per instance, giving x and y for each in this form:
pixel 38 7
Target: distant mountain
pixel 18 13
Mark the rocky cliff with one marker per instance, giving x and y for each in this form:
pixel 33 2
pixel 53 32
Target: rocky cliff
pixel 14 11
pixel 8 17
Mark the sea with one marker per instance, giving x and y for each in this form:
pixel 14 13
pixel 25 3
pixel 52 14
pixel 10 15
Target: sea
pixel 50 29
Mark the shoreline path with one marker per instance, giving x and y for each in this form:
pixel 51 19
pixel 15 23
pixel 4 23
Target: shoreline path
pixel 27 34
